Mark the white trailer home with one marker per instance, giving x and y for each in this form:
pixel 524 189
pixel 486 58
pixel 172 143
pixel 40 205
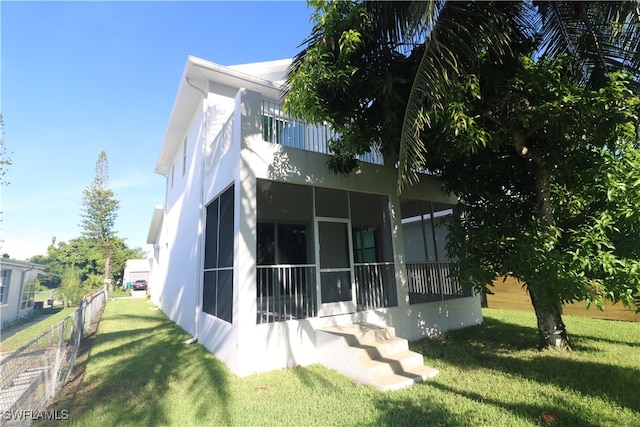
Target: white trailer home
pixel 271 261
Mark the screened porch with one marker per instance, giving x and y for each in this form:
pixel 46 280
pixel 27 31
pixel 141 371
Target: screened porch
pixel 321 252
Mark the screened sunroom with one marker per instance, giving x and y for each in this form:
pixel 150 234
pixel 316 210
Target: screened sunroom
pixel 321 252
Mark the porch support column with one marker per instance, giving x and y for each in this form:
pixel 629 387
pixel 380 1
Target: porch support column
pixel 402 283
pixel 249 127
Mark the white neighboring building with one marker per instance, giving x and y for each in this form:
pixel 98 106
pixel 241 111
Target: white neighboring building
pixel 17 288
pixel 137 269
pixel 258 246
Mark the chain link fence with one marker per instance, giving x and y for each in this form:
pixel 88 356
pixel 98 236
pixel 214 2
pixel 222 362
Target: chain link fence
pixel 32 375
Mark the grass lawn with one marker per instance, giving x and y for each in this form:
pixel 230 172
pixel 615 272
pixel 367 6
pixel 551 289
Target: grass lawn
pixel 140 373
pixel 50 316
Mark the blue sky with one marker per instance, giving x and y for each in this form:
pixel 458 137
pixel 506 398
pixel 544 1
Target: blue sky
pixel 78 78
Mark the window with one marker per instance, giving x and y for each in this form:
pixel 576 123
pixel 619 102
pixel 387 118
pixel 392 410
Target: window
pixel 371 228
pixel 28 293
pixel 281 243
pixel 184 157
pixel 285 218
pixel 5 279
pixel 365 249
pixel 173 168
pixel 217 295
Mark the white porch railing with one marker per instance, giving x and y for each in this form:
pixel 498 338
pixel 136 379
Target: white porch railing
pixel 220 145
pixel 280 128
pixel 432 281
pixel 375 285
pixel 286 292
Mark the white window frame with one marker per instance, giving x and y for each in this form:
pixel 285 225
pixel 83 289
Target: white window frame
pixel 5 280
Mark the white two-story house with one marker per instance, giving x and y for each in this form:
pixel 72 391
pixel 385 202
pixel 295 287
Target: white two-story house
pixel 259 249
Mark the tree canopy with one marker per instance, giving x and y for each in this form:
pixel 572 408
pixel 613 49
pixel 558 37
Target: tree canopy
pixel 99 212
pixel 85 260
pixel 522 109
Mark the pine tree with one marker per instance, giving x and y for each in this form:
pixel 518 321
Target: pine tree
pixel 99 211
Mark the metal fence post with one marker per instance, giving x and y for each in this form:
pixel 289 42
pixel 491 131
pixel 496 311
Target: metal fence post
pixel 81 319
pixel 34 373
pixel 56 368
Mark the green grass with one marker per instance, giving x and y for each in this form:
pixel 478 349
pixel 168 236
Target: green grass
pixel 140 373
pixel 43 295
pixel 49 316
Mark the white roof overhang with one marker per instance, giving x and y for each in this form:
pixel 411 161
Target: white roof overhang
pixel 195 81
pixel 156 224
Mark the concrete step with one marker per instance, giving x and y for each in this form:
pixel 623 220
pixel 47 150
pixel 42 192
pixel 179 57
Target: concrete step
pixel 22 386
pixel 397 381
pixel 371 354
pixel 380 349
pixel 27 377
pixel 362 333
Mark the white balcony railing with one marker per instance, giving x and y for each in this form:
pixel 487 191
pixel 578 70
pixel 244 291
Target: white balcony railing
pixel 432 281
pixel 280 128
pixel 220 145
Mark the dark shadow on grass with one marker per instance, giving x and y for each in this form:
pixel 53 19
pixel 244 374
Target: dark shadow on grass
pixel 312 377
pixel 492 344
pixel 137 367
pixel 523 410
pixel 579 341
pixel 410 412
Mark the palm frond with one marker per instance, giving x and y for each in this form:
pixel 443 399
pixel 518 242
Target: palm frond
pixel 601 36
pixel 457 31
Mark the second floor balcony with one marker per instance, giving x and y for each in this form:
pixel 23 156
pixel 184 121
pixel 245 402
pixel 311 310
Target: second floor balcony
pixel 279 127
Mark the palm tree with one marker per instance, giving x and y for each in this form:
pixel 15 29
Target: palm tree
pixel 445 38
pixel 355 47
pixel 601 37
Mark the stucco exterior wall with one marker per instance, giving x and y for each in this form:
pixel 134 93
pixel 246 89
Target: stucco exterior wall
pixel 21 273
pixel 175 278
pixel 225 147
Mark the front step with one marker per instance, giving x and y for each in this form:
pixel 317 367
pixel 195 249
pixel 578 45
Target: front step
pixel 371 354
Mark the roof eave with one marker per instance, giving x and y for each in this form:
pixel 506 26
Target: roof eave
pixel 155 225
pixel 199 72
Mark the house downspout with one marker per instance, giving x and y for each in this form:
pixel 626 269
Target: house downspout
pixel 202 217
